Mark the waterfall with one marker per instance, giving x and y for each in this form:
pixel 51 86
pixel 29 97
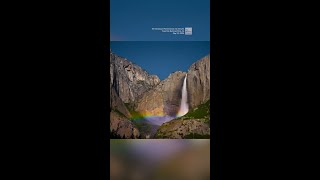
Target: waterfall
pixel 184 104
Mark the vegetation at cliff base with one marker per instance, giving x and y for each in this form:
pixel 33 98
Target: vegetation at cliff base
pixel 200 112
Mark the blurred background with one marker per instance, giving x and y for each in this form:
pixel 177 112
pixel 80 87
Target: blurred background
pixel 160 159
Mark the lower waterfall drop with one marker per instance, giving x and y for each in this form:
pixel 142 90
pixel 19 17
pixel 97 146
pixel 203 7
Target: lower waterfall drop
pixel 184 108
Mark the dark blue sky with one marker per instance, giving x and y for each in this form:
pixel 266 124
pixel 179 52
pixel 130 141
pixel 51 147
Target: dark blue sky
pixel 133 20
pixel 159 57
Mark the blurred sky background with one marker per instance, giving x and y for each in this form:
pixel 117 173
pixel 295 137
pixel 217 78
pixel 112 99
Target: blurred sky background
pixel 162 57
pixel 133 20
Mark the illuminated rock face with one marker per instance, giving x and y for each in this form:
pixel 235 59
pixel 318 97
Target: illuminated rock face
pixel 151 104
pixel 198 82
pixel 164 99
pixel 168 94
pixel 129 80
pixel 152 97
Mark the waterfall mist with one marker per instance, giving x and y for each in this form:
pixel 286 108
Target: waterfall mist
pixel 184 108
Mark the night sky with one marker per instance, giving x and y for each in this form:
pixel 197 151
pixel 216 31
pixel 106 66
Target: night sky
pixel 133 20
pixel 162 58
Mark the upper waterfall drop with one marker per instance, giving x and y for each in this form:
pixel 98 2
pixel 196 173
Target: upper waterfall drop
pixel 184 108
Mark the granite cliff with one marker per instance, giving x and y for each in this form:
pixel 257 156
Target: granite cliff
pixel 120 125
pixel 128 79
pixel 198 82
pixel 134 90
pixel 165 98
pixel 127 83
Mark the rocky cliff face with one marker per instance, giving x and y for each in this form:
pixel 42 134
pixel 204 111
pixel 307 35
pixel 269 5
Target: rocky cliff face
pixel 122 127
pixel 179 129
pixel 129 80
pixel 148 96
pixel 198 90
pixel 198 82
pixel 120 124
pixel 116 104
pixel 164 99
pixel 127 83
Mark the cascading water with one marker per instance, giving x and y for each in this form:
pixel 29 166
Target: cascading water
pixel 184 108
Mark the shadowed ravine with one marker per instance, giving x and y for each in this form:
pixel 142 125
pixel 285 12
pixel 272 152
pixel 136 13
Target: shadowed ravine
pixel 148 126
